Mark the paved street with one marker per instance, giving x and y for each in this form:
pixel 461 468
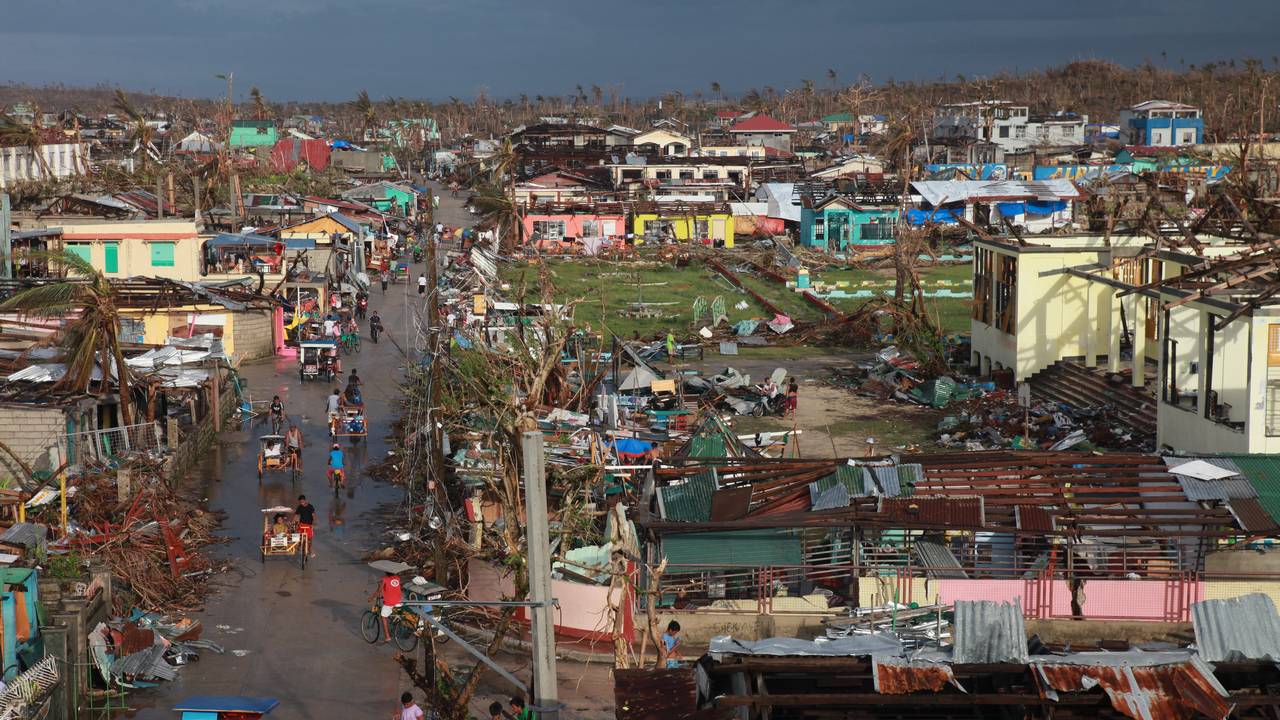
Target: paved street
pixel 293 634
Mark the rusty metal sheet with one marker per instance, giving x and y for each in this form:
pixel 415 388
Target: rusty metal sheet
pixel 1251 515
pixel 1183 690
pixel 730 503
pixel 1030 517
pixel 660 695
pixel 936 510
pixel 900 676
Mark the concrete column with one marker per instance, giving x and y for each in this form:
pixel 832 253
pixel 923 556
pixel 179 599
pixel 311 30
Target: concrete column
pixel 1204 325
pixel 1139 325
pixel 1090 328
pixel 1113 331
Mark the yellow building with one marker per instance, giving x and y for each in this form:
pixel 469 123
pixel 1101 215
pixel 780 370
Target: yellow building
pixel 323 236
pixel 710 227
pixel 161 248
pixel 1216 359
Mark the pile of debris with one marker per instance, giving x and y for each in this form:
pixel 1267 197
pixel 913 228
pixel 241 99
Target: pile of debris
pixel 999 419
pixel 132 522
pixel 144 648
pixel 895 375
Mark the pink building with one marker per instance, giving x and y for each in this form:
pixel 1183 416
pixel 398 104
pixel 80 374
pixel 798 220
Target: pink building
pixel 553 226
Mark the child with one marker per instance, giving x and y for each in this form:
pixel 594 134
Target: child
pixel 671 645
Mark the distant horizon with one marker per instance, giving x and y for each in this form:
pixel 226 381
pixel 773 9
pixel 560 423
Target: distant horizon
pixel 304 51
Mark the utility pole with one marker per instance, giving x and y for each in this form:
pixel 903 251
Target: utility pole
pixel 438 346
pixel 6 240
pixel 545 699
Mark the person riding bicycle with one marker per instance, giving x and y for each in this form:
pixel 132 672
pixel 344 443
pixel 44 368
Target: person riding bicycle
pixel 353 394
pixel 334 404
pixel 277 412
pixel 375 326
pixel 336 462
pixel 392 595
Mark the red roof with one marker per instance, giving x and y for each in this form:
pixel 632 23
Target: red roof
pixel 726 113
pixel 762 123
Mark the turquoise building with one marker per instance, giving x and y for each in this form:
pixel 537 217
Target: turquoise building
pixel 254 133
pixel 836 222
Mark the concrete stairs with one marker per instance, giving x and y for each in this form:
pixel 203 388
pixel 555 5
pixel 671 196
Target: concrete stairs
pixel 1067 381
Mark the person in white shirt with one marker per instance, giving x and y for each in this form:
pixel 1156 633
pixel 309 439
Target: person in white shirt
pixel 422 284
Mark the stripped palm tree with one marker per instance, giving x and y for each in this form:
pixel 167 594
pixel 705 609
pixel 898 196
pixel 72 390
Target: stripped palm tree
pixel 142 134
pixel 90 339
pixel 14 132
pixel 260 111
pixel 367 112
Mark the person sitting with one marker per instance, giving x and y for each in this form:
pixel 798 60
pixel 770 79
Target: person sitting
pixel 278 526
pixel 271 449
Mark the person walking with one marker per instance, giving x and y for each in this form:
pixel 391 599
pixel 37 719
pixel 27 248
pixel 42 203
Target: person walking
pixel 382 277
pixel 793 397
pixel 409 709
pixel 375 326
pixel 422 284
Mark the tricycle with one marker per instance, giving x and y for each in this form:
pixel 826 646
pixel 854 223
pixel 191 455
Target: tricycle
pixel 313 360
pixel 349 422
pixel 282 538
pixel 274 455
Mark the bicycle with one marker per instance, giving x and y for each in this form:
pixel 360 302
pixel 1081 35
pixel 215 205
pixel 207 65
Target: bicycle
pixel 405 626
pixel 277 423
pixel 337 479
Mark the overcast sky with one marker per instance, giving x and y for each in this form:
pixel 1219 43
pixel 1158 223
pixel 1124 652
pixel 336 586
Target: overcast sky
pixel 331 49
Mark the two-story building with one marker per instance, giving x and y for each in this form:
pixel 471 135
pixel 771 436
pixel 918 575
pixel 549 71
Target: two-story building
pixel 764 131
pixel 1202 325
pixel 662 142
pixel 1160 123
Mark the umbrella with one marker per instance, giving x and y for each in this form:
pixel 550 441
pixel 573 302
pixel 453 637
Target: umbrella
pixel 390 566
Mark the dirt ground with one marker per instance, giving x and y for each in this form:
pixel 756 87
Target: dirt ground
pixel 833 421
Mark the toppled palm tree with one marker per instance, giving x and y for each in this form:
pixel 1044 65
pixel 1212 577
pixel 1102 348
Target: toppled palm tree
pixel 90 339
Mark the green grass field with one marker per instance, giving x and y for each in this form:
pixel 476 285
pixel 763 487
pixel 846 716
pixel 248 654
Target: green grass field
pixel 604 291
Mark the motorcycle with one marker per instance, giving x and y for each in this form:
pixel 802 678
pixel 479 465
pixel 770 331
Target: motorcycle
pixel 375 327
pixel 417 254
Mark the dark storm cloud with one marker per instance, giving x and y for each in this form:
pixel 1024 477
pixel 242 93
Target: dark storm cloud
pixel 326 49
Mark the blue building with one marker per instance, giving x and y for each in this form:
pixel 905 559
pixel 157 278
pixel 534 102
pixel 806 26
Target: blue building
pixel 837 221
pixel 1160 123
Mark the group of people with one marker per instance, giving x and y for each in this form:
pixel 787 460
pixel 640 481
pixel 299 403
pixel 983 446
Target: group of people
pixel 516 710
pixel 302 520
pixel 771 390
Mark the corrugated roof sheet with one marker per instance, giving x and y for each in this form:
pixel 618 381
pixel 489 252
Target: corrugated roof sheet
pixel 851 476
pixel 1030 517
pixel 893 480
pixel 879 644
pixel 1139 685
pixel 1251 516
pixel 730 503
pixel 1208 490
pixel 1263 473
pixel 900 676
pixel 1238 629
pixel 949 511
pixel 735 548
pixel 989 632
pixel 938 561
pixel 689 501
pixel 830 499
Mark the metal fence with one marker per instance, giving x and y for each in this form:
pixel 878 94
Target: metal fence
pixel 100 447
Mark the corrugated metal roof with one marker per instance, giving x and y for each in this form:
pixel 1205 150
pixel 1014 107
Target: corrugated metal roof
pixel 938 561
pixel 900 676
pixel 1251 516
pixel 1208 490
pixel 735 548
pixel 949 511
pixel 880 644
pixel 730 503
pixel 989 632
pixel 832 498
pixel 1263 473
pixel 1142 689
pixel 851 476
pixel 1030 517
pixel 893 480
pixel 689 501
pixel 1238 629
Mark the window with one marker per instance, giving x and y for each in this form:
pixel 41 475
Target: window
pixel 1273 381
pixel 686 174
pixel 820 228
pixel 710 175
pixel 590 228
pixel 111 257
pixel 663 174
pixel 983 261
pixel 1187 137
pixel 1020 131
pixel 876 230
pixel 161 254
pixel 548 229
pixel 84 251
pixel 1006 288
pixel 1004 131
pixel 610 228
pixel 133 330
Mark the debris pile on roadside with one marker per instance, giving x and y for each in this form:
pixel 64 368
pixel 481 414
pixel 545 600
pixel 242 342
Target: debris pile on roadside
pixel 146 533
pixel 143 649
pixel 996 420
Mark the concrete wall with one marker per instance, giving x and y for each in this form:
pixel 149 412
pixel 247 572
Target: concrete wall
pixel 28 432
pixel 252 334
pixel 18 163
pixel 583 610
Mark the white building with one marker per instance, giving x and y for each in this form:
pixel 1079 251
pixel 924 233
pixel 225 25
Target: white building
pixel 1010 127
pixel 18 164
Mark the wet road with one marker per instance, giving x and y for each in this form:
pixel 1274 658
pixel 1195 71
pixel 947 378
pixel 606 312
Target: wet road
pixel 292 633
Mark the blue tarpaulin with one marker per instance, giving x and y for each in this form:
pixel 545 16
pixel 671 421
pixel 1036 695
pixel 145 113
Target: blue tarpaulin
pixel 227 703
pixel 1032 207
pixel 940 215
pixel 631 446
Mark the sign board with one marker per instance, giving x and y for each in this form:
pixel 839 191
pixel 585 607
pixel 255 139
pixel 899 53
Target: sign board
pixel 478 305
pixel 1024 395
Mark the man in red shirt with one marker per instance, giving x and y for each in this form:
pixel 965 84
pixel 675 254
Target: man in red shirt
pixel 392 596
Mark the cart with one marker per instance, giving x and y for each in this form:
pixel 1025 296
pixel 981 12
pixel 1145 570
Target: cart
pixel 349 422
pixel 293 543
pixel 311 360
pixel 225 707
pixel 401 271
pixel 273 454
